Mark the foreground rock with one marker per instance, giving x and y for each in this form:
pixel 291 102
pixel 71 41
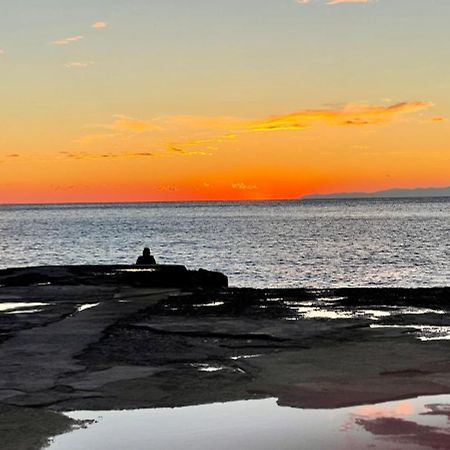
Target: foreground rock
pixel 84 342
pixel 158 275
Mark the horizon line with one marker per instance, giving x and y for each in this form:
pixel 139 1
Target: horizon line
pixel 296 199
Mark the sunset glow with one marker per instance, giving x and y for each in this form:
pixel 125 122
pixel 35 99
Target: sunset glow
pixel 166 101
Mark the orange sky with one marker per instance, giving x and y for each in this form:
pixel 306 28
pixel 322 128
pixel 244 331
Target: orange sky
pixel 106 103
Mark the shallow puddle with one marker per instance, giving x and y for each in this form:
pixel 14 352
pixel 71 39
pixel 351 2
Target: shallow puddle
pixel 17 306
pixel 419 423
pixel 423 332
pixel 87 306
pixel 324 310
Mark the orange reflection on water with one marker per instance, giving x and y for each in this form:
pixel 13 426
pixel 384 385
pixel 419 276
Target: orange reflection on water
pixel 404 408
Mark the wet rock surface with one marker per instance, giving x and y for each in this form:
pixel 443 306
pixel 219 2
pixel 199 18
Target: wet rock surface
pixel 111 345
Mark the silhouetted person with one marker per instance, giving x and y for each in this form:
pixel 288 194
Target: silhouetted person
pixel 146 258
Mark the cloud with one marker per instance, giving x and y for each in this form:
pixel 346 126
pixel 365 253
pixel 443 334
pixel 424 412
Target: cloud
pixel 2 52
pixel 244 187
pixel 203 135
pixel 181 151
pixel 228 137
pixel 348 115
pixel 99 25
pixel 125 123
pixel 79 65
pixel 141 154
pixel 168 188
pixel 197 122
pixel 110 155
pixel 68 40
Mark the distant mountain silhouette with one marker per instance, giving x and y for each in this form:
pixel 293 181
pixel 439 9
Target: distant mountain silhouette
pixel 389 193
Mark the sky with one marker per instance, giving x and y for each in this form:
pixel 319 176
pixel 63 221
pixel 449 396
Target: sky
pixel 169 100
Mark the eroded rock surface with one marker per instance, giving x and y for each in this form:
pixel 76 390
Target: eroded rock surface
pixel 110 346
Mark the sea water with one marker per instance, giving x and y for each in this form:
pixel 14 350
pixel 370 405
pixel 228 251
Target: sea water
pixel 314 243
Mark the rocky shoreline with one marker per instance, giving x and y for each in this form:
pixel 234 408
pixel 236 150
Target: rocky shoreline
pixel 114 337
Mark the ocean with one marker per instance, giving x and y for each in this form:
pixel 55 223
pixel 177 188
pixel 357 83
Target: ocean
pixel 310 243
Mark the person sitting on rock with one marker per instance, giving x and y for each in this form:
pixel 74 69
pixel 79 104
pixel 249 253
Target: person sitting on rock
pixel 146 258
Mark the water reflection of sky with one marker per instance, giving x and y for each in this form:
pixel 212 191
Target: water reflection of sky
pixel 10 307
pixel 262 424
pixel 324 308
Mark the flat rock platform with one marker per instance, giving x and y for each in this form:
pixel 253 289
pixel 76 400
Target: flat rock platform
pixel 119 337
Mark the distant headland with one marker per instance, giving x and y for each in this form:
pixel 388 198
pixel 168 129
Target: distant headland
pixel 389 193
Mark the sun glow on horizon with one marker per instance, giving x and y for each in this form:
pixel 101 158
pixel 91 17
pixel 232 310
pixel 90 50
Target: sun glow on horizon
pixel 142 102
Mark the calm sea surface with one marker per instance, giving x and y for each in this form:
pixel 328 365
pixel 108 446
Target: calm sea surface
pixel 327 243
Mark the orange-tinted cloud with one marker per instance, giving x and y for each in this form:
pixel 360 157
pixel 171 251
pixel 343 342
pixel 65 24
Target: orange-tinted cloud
pixel 203 122
pixel 125 123
pixel 79 65
pixel 68 40
pixel 243 186
pixel 181 151
pixel 351 114
pixel 205 135
pixel 99 25
pixel 106 155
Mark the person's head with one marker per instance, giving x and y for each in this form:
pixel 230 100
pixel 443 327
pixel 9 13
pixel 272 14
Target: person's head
pixel 146 251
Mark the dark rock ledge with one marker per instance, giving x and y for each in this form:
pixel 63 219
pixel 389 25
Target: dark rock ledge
pixel 157 275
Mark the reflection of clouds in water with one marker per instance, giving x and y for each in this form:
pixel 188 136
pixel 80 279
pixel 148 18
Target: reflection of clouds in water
pixel 410 422
pixel 405 423
pixel 407 432
pixel 402 408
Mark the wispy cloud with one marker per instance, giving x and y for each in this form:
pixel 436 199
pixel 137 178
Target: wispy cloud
pixel 125 123
pixel 168 188
pixel 106 155
pixel 99 25
pixel 197 122
pixel 203 135
pixel 68 40
pixel 2 52
pixel 79 65
pixel 240 186
pixel 181 151
pixel 348 115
